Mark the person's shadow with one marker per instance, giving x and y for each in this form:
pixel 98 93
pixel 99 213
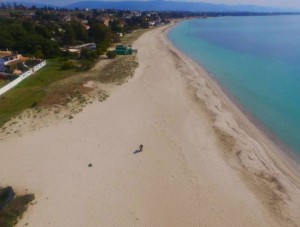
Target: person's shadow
pixel 137 151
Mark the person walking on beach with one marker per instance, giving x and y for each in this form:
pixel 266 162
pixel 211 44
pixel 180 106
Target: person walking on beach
pixel 141 147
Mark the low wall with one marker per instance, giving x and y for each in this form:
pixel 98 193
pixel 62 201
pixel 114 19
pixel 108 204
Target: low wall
pixel 22 77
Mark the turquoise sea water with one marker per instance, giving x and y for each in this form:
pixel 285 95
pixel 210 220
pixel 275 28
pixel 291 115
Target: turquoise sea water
pixel 257 61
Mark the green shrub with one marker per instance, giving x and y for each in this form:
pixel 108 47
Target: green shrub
pixel 85 65
pixel 67 65
pixel 111 54
pixel 91 55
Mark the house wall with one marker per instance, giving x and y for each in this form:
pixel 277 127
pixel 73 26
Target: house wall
pixel 22 77
pixel 7 59
pixel 2 61
pixel 1 66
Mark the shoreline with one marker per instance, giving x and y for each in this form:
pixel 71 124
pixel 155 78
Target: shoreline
pixel 279 153
pixel 282 150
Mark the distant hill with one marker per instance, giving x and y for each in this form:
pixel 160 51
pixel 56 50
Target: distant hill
pixel 171 6
pixel 29 4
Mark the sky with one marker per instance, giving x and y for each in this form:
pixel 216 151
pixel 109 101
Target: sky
pixel 271 3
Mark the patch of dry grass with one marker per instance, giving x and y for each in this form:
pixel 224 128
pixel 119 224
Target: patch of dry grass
pixel 3 83
pixel 118 70
pixel 128 39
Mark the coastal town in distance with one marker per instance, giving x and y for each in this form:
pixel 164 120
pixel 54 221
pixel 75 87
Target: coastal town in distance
pixel 112 116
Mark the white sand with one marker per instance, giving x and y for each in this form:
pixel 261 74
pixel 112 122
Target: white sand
pixel 201 164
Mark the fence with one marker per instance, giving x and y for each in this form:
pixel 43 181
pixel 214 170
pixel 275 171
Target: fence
pixel 22 77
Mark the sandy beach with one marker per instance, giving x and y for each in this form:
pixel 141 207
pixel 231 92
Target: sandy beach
pixel 203 164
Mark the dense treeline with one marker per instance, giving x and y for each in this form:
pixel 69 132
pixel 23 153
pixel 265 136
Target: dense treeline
pixel 44 39
pixel 42 32
pixel 27 37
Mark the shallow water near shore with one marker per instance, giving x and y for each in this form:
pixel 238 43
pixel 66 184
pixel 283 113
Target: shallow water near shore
pixel 256 59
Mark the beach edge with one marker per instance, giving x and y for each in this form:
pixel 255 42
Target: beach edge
pixel 278 158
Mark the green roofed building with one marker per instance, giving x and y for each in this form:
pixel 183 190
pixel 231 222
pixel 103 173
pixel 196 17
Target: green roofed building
pixel 123 50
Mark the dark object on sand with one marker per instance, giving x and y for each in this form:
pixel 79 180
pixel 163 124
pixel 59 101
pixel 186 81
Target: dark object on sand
pixel 13 210
pixel 90 165
pixel 6 195
pixel 139 150
pixel 141 147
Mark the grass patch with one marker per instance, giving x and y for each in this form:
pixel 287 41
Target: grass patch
pixel 61 94
pixel 118 70
pixel 128 39
pixel 10 214
pixel 32 90
pixel 3 83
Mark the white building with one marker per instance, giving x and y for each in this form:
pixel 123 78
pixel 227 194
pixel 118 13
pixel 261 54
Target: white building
pixel 9 61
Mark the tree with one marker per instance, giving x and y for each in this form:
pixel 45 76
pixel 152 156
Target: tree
pixel 80 32
pixel 50 48
pixel 39 54
pixel 29 26
pixel 115 26
pixel 115 38
pixel 68 37
pixel 81 16
pixel 144 24
pixel 17 31
pixel 99 33
pixel 43 31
